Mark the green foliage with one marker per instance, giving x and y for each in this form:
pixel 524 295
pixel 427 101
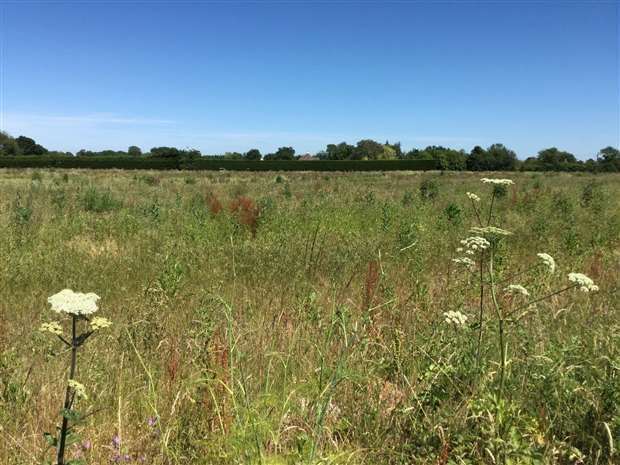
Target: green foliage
pixel 99 201
pixel 429 189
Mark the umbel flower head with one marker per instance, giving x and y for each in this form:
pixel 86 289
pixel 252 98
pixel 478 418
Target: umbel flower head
pixel 490 231
pixel 548 261
pixel 78 388
pixel 468 262
pixel 74 303
pixel 473 197
pixel 52 327
pixel 586 284
pixel 504 182
pixel 475 243
pixel 516 289
pixel 99 323
pixel 456 318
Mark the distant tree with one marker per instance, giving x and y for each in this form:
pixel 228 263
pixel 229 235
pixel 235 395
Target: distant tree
pixel 503 159
pixel 552 159
pixel 233 156
pixel 398 151
pixel 531 164
pixel 8 146
pixel 165 152
pixel 368 149
pixel 134 151
pixel 413 154
pixel 252 154
pixel 448 159
pixel 608 159
pixel 495 158
pixel 341 151
pixel 28 146
pixel 283 153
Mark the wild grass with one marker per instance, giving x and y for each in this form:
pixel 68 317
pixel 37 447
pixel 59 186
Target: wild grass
pixel 266 319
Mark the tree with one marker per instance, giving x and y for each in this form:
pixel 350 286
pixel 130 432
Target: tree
pixel 556 160
pixel 609 159
pixel 28 146
pixel 367 149
pixel 283 153
pixel 253 154
pixel 503 159
pixel 165 152
pixel 134 151
pixel 495 158
pixel 232 156
pixel 341 151
pixel 8 146
pixel 448 159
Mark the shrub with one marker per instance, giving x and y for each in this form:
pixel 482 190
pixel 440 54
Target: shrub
pixel 453 212
pixel 429 189
pixel 96 201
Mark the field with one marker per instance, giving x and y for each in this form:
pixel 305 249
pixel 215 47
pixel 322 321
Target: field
pixel 300 318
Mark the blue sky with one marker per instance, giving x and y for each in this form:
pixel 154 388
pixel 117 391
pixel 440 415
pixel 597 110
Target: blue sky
pixel 224 76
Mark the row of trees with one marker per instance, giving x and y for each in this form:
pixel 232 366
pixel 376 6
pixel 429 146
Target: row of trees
pixel 496 157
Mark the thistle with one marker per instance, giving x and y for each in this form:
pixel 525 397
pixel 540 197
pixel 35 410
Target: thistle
pixel 78 307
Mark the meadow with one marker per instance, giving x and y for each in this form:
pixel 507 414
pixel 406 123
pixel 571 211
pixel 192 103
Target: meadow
pixel 313 317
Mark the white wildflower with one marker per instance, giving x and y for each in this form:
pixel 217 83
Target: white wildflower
pixel 52 327
pixel 475 243
pixel 78 388
pixel 456 318
pixel 517 289
pixel 505 182
pixel 464 261
pixel 586 284
pixel 548 261
pixel 75 303
pixel 99 323
pixel 473 197
pixel 490 230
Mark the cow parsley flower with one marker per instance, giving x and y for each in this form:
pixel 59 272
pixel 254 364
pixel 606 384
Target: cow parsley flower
pixel 586 284
pixel 476 243
pixel 99 323
pixel 548 261
pixel 473 197
pixel 78 388
pixel 52 327
pixel 505 182
pixel 74 303
pixel 456 318
pixel 490 230
pixel 516 289
pixel 468 262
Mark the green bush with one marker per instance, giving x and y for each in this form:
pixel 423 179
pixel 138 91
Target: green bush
pixel 96 201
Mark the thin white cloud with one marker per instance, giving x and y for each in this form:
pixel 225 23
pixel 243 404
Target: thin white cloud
pixel 93 119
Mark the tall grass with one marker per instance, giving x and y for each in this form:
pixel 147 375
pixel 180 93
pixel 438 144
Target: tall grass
pixel 257 324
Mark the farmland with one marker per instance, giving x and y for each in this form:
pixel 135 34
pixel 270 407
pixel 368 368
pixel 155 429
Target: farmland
pixel 305 317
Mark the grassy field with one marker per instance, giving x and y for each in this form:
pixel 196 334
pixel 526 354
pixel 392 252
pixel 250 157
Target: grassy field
pixel 299 318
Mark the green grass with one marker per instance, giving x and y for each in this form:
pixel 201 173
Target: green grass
pixel 313 331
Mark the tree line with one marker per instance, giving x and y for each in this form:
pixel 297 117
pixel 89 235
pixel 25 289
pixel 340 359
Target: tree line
pixel 496 157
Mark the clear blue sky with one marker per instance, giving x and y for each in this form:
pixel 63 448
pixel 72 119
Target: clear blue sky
pixel 229 76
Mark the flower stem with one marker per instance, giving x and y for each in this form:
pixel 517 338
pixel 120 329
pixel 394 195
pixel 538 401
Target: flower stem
pixel 481 311
pixel 68 397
